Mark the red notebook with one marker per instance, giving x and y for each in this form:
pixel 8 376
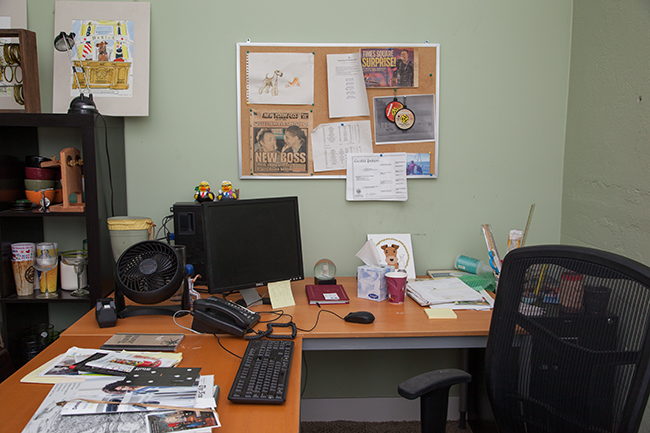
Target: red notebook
pixel 326 294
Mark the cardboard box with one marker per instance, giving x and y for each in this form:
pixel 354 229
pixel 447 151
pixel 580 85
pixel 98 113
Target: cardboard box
pixel 371 282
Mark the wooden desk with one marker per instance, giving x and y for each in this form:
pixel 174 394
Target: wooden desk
pixel 395 327
pixel 19 401
pixel 404 326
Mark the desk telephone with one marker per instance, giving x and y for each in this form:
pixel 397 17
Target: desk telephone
pixel 214 314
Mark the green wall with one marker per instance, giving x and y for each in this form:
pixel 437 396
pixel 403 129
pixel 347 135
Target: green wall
pixel 503 89
pixel 504 76
pixel 606 196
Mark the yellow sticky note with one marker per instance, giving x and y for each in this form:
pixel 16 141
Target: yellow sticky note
pixel 281 294
pixel 440 313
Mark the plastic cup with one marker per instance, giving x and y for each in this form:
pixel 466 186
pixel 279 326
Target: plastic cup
pixel 396 286
pixel 22 263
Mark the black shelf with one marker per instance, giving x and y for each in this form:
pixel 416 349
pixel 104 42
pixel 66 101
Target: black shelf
pixel 26 134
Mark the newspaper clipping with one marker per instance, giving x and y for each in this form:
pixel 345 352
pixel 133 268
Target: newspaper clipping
pixel 390 67
pixel 280 142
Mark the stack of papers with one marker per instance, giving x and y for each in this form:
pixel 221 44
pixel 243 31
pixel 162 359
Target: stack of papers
pixel 448 293
pixel 143 393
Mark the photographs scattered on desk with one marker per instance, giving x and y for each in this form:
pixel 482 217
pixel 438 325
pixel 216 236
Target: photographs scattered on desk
pixel 59 367
pixel 118 396
pixel 280 78
pixel 424 128
pixel 390 67
pixel 395 250
pixel 280 141
pixel 187 420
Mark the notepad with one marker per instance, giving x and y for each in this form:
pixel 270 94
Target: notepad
pixel 440 313
pixel 281 294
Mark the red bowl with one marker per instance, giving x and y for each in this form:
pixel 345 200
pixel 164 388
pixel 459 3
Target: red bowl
pixel 39 173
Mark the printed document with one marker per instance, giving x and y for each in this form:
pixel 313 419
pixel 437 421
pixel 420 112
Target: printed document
pixel 376 176
pixel 346 88
pixel 448 293
pixel 331 142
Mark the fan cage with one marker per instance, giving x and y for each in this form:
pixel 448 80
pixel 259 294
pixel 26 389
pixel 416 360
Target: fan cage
pixel 147 267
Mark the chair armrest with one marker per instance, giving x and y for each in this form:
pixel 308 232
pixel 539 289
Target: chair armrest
pixel 425 383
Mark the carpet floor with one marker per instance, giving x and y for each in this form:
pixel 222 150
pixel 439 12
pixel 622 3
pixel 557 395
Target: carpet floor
pixel 371 427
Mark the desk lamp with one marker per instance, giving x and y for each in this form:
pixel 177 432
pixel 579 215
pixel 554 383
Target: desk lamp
pixel 81 104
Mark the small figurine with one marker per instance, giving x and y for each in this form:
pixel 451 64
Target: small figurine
pixel 226 192
pixel 202 193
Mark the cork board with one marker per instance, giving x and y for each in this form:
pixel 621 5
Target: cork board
pixel 253 115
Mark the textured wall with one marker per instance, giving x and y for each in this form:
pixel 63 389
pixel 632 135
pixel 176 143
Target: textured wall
pixel 606 198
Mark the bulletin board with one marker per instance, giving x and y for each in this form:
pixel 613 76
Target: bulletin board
pixel 253 115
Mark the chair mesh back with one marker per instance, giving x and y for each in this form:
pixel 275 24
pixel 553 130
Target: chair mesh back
pixel 568 343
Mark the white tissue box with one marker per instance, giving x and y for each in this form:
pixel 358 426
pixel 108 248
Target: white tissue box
pixel 371 282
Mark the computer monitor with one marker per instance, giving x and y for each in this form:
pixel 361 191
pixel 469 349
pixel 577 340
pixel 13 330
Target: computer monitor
pixel 250 243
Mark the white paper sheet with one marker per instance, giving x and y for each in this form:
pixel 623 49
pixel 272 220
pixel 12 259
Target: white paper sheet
pixel 331 142
pixel 280 78
pixel 346 88
pixel 376 177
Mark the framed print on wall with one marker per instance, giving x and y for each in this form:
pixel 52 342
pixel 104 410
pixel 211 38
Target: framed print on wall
pixel 112 44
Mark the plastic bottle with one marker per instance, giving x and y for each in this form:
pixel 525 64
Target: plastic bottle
pixel 471 265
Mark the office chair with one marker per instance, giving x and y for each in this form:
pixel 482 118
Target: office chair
pixel 568 348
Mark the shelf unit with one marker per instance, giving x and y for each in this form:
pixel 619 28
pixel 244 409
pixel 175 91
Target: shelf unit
pixel 101 146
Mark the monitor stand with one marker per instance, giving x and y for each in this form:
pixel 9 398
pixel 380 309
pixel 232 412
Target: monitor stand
pixel 250 296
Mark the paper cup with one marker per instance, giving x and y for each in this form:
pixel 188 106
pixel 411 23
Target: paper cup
pixel 396 285
pixel 23 251
pixel 23 277
pixel 22 263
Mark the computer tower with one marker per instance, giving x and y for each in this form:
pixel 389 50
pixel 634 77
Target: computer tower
pixel 188 231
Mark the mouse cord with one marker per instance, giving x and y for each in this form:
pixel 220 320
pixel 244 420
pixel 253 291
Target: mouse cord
pixel 318 317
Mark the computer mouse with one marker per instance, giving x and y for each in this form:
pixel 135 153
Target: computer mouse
pixel 360 317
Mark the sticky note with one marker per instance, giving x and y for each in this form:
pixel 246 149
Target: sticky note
pixel 281 294
pixel 440 313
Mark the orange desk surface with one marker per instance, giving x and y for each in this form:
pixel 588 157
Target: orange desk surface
pixel 19 401
pixel 392 321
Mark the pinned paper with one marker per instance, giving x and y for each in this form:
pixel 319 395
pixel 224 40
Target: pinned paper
pixel 440 313
pixel 281 294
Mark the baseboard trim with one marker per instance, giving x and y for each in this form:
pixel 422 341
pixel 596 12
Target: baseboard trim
pixel 367 409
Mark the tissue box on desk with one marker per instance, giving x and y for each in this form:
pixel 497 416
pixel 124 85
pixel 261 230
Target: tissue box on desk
pixel 371 282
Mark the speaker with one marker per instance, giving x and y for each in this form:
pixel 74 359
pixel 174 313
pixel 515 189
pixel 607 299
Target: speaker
pixel 188 231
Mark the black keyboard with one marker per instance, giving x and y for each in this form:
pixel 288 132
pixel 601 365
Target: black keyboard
pixel 263 373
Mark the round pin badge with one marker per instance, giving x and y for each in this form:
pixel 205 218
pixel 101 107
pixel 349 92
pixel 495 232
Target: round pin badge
pixel 404 119
pixel 392 109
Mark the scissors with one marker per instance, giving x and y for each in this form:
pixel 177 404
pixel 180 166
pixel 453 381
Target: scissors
pixel 495 263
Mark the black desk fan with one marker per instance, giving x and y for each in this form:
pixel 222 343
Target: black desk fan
pixel 149 272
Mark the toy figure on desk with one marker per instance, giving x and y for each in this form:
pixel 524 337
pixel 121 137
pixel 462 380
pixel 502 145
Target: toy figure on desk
pixel 202 193
pixel 226 192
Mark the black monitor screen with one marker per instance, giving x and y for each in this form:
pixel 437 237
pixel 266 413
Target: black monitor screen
pixel 250 243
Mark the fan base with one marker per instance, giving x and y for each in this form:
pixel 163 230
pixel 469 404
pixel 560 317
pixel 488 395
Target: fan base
pixel 164 310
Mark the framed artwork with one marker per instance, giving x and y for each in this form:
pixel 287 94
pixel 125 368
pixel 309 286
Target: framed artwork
pixel 110 56
pixel 395 250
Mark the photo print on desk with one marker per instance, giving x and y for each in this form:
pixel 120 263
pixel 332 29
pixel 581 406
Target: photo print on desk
pixel 280 78
pixel 280 141
pixel 395 250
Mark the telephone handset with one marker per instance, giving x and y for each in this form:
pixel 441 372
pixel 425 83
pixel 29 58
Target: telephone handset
pixel 215 314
